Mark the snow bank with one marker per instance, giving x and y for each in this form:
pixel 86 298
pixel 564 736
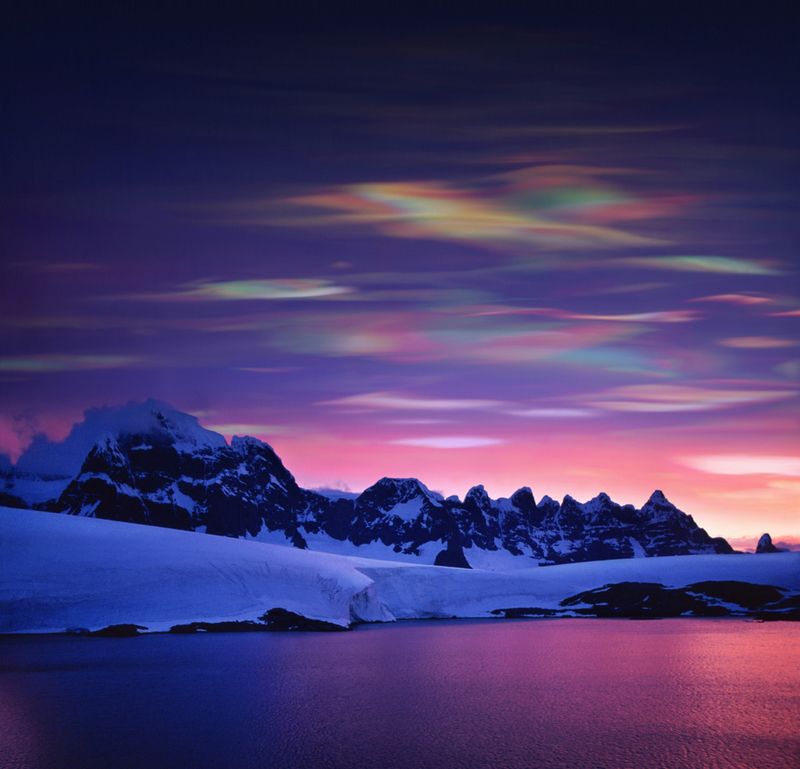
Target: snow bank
pixel 59 571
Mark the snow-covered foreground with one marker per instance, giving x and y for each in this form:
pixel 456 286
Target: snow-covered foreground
pixel 59 571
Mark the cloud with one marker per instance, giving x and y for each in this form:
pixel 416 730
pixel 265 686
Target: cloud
pixel 664 398
pixel 34 364
pixel 758 342
pixel 554 413
pixel 667 316
pixel 449 442
pixel 740 299
pixel 269 369
pixel 541 208
pixel 250 290
pixel 712 264
pixel 744 464
pixel 437 211
pixel 525 346
pixel 398 401
pixel 443 335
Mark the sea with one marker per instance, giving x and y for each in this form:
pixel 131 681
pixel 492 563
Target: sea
pixel 445 694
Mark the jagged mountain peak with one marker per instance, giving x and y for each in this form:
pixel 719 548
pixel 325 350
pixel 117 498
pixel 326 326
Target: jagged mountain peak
pixel 246 443
pixel 478 495
pixel 523 498
pixel 401 490
pixel 659 507
pixel 765 545
pixel 658 496
pixel 601 503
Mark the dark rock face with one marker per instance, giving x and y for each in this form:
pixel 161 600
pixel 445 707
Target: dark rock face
pixel 10 500
pixel 650 600
pixel 184 477
pixel 274 620
pixel 765 545
pixel 233 490
pixel 118 631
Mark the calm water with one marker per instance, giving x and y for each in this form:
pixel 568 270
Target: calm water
pixel 450 694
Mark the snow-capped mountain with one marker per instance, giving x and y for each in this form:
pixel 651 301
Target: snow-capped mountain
pixel 151 464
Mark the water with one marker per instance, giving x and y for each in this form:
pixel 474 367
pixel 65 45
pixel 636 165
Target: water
pixel 446 694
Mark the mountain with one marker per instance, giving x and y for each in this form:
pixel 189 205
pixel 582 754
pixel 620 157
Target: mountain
pixel 151 464
pixel 765 545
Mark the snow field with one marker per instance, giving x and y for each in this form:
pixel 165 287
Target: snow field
pixel 60 571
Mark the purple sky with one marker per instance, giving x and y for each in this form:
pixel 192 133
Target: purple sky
pixel 557 251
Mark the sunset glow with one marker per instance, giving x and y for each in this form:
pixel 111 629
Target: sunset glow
pixel 558 257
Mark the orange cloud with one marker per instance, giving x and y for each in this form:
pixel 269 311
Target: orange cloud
pixel 542 208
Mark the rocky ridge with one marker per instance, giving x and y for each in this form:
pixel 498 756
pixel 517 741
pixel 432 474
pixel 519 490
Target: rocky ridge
pixel 163 469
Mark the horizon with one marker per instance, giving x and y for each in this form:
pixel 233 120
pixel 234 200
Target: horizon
pixel 50 459
pixel 534 248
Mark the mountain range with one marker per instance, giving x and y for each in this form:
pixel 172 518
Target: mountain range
pixel 150 464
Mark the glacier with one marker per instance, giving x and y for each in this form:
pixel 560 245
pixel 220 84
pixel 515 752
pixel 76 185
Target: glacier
pixel 59 572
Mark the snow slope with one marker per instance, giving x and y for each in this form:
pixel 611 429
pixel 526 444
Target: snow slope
pixel 59 571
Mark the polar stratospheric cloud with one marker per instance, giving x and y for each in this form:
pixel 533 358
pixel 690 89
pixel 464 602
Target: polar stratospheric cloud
pixel 541 248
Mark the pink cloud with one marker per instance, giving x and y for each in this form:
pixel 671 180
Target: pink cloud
pixel 449 442
pixel 745 464
pixel 398 401
pixel 758 342
pixel 665 398
pixel 740 299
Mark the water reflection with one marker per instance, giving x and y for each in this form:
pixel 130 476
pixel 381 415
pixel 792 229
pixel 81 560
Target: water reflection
pixel 450 694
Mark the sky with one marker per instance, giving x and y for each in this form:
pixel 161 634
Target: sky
pixel 552 247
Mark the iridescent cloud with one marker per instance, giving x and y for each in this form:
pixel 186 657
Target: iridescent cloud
pixel 667 398
pixel 712 264
pixel 535 345
pixel 395 401
pixel 547 207
pixel 668 316
pixel 758 342
pixel 251 289
pixel 46 363
pixel 740 299
pixel 437 211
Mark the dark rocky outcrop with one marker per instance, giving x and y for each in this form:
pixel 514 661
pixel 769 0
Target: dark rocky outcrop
pixel 118 631
pixel 765 545
pixel 276 619
pixel 645 600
